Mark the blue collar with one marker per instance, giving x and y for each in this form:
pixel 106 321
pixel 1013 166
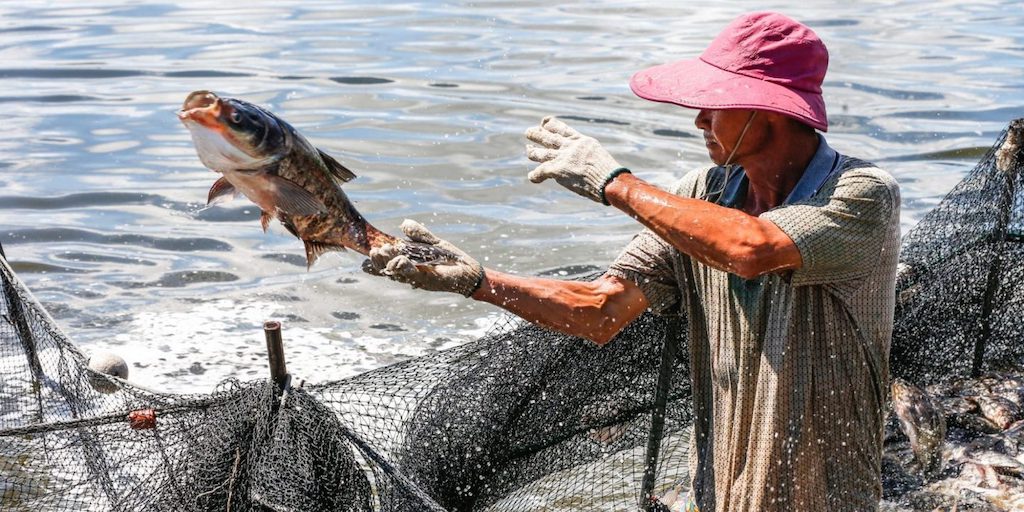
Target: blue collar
pixel 822 165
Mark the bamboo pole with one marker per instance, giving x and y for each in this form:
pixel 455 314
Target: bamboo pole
pixel 275 353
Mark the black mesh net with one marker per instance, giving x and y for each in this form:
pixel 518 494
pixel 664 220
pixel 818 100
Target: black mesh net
pixel 520 419
pixel 960 306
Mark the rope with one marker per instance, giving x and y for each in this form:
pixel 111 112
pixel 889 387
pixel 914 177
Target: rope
pixel 657 433
pixel 109 419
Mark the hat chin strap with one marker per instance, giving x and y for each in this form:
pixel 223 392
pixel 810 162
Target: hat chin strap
pixel 739 140
pixel 728 168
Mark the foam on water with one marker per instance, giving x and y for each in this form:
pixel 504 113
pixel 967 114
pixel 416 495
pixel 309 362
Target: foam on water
pixel 192 349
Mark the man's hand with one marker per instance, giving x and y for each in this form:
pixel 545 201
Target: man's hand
pixel 576 162
pixel 464 276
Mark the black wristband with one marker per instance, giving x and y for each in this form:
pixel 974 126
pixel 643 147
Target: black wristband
pixel 611 176
pixel 479 281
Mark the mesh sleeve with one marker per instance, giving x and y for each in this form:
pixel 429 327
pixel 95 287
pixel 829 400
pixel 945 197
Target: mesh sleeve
pixel 840 231
pixel 647 262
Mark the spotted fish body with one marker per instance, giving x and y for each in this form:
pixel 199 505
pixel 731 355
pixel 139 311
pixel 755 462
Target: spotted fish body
pixel 264 158
pixel 923 421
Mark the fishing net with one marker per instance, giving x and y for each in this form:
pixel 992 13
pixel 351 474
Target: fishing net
pixel 520 419
pixel 960 306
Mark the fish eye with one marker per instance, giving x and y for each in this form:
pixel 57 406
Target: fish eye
pixel 235 117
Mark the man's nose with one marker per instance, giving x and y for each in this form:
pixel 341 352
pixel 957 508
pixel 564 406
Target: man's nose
pixel 702 121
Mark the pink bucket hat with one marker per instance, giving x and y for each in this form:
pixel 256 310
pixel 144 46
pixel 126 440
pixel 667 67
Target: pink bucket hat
pixel 762 61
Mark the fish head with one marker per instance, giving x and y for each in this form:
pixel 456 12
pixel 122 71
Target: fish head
pixel 901 390
pixel 915 408
pixel 907 401
pixel 231 134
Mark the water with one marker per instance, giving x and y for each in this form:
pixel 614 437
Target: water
pixel 101 191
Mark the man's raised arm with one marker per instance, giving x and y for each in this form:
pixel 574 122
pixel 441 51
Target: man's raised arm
pixel 724 238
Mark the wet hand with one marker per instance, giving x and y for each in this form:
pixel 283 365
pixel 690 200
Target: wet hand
pixel 575 161
pixel 463 276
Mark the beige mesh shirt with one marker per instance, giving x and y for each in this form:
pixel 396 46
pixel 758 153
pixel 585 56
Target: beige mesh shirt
pixel 789 371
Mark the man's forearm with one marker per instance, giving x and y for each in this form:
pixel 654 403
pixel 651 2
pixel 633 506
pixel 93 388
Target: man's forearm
pixel 596 310
pixel 724 238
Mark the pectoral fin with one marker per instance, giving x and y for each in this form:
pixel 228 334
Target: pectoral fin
pixel 315 249
pixel 337 171
pixel 222 190
pixel 293 199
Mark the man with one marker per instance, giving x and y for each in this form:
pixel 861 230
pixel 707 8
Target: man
pixel 782 256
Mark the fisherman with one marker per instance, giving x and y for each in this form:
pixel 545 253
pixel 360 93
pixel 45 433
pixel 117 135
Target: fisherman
pixel 782 256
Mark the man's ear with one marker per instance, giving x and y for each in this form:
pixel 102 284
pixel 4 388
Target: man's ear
pixel 791 125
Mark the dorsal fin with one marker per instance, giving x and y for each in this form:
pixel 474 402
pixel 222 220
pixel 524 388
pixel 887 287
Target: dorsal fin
pixel 315 249
pixel 337 171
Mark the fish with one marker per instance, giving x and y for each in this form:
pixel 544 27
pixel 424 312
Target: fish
pixel 972 422
pixel 675 499
pixel 263 158
pixel 1011 389
pixel 923 421
pixel 999 410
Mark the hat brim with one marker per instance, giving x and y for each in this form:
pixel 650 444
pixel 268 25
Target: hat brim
pixel 696 84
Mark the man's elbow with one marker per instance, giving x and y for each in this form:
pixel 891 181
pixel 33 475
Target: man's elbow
pixel 753 260
pixel 611 321
pixel 619 303
pixel 605 331
pixel 744 260
pixel 747 269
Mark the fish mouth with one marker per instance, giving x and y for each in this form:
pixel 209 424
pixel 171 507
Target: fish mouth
pixel 203 107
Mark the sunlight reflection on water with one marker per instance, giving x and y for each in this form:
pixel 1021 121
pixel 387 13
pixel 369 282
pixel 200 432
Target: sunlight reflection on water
pixel 102 193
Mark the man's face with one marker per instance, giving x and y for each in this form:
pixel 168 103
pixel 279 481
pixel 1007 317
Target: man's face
pixel 722 129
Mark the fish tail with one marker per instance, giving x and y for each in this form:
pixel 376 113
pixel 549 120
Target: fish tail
pixel 428 254
pixel 378 238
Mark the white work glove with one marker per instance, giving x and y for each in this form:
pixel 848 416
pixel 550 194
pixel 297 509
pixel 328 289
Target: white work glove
pixel 575 161
pixel 463 276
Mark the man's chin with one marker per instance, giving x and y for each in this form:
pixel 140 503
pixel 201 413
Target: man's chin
pixel 716 158
pixel 715 153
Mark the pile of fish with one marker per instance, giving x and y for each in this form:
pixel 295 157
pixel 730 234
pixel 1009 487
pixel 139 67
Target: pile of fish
pixel 956 446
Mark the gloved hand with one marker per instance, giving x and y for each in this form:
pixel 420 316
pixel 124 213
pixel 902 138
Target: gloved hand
pixel 463 276
pixel 575 161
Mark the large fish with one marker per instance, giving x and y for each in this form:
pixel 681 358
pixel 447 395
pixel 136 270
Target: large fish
pixel 265 159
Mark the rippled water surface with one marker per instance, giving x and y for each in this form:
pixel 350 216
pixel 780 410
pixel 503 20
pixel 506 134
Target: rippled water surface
pixel 101 193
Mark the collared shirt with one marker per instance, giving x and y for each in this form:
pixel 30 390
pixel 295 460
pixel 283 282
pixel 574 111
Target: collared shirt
pixel 823 164
pixel 789 372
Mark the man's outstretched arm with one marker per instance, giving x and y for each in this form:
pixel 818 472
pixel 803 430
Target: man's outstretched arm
pixel 596 310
